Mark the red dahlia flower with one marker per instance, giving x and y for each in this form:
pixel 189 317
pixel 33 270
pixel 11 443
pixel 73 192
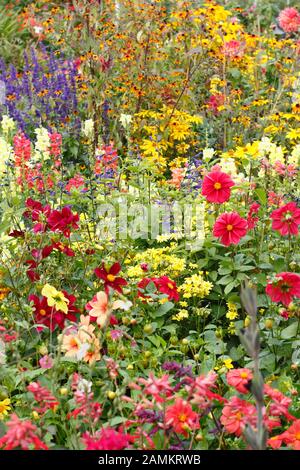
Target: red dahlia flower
pixel 279 404
pixel 237 414
pixel 216 187
pixel 62 221
pixel 286 219
pixel 292 436
pixel 240 379
pixel 163 284
pixel 230 228
pixel 109 276
pixel 181 417
pixel 168 287
pixel 284 288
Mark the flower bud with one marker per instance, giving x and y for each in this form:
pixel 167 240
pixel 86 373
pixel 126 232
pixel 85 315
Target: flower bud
pixel 111 395
pixel 269 323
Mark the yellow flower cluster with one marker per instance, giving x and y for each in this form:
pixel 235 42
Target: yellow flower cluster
pixel 181 315
pixel 195 286
pixel 166 133
pixel 232 312
pixel 160 261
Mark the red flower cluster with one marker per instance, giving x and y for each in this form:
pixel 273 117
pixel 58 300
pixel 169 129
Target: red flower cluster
pixel 216 187
pixel 163 284
pixel 22 150
pixel 63 221
pixel 21 434
pixel 110 278
pixel 43 397
pixel 291 437
pixel 215 101
pixel 60 221
pixel 55 145
pixel 49 316
pixel 106 439
pixel 285 286
pixel 252 218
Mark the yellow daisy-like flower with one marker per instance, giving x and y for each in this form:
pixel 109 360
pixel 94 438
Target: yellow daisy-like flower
pixel 232 312
pixel 4 407
pixel 55 298
pixel 228 363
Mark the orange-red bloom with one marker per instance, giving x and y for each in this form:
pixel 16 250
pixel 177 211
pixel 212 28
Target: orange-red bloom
pixel 181 417
pixel 240 379
pixel 236 414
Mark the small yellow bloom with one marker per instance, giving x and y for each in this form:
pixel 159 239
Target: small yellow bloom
pixel 55 298
pixel 4 407
pixel 228 363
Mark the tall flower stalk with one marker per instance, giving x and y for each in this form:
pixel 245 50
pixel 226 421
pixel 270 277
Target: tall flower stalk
pixel 255 437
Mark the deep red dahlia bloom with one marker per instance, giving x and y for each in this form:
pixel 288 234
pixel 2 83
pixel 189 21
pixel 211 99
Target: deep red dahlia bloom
pixel 168 287
pixel 286 219
pixel 230 228
pixel 216 187
pixel 182 417
pixel 240 379
pixel 284 288
pixel 63 221
pixel 110 278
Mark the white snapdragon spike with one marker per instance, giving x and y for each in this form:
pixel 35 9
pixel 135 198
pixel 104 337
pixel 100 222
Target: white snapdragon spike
pixel 208 153
pixel 84 386
pixel 42 144
pixel 228 166
pixel 294 157
pixel 2 353
pixel 38 29
pixel 6 152
pixel 125 120
pixel 265 146
pixel 276 155
pixel 122 304
pixel 87 128
pixel 7 124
